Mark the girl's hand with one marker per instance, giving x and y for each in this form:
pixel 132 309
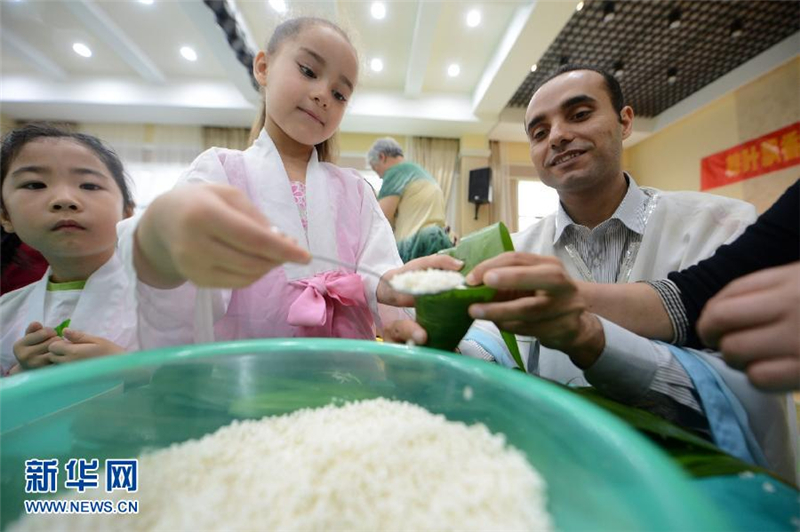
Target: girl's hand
pixel 211 235
pixel 77 345
pixel 401 331
pixel 32 350
pixel 388 296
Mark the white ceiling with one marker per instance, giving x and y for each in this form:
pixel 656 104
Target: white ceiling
pixel 136 73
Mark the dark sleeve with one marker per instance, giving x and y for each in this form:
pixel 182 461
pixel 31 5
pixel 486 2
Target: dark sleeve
pixel 773 240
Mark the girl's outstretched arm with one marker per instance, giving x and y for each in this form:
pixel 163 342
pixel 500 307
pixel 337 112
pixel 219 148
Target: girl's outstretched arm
pixel 211 235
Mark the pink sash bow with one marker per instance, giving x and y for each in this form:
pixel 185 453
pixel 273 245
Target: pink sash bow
pixel 328 302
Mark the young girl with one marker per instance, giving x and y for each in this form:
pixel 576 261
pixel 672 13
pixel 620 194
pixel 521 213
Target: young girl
pixel 218 232
pixel 63 194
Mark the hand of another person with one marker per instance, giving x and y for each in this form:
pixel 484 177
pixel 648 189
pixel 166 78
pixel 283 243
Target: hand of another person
pixel 77 345
pixel 388 296
pixel 32 350
pixel 755 322
pixel 536 297
pixel 401 331
pixel 211 235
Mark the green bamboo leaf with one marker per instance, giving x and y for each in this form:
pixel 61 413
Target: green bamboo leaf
pixel 699 457
pixel 643 420
pixel 445 315
pixel 511 343
pixel 481 245
pixel 474 249
pixel 60 329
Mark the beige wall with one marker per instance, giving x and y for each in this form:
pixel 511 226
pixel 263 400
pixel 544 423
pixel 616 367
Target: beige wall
pixel 6 124
pixel 517 152
pixel 362 142
pixel 474 142
pixel 670 159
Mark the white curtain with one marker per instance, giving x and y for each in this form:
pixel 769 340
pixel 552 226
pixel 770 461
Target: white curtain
pixel 439 157
pixel 154 156
pixel 503 188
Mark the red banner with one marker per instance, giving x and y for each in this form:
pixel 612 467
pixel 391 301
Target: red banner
pixel 774 151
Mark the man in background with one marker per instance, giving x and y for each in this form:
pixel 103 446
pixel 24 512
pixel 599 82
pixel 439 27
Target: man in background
pixel 411 200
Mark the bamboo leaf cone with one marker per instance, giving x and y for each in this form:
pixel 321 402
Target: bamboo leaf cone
pixel 445 315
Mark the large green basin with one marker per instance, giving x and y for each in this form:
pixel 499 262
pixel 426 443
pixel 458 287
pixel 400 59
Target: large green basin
pixel 601 474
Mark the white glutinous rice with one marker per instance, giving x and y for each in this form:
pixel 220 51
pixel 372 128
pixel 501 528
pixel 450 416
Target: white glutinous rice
pixel 369 465
pixel 429 281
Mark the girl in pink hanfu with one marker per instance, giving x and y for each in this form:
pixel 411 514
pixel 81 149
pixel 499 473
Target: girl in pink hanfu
pixel 245 225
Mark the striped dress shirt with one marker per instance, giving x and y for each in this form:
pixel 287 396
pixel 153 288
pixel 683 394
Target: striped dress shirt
pixel 604 251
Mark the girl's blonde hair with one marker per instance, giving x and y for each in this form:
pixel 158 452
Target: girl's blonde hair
pixel 326 150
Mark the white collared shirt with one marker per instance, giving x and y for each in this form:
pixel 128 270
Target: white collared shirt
pixel 602 249
pixel 676 230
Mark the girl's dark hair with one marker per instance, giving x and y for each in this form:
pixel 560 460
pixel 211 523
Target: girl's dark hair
pixel 326 150
pixel 16 139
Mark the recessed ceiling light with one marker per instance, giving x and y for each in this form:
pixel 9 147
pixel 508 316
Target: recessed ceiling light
pixel 453 70
pixel 376 65
pixel 81 49
pixel 278 5
pixel 533 68
pixel 146 2
pixel 188 53
pixel 672 75
pixel 674 19
pixel 579 6
pixel 473 18
pixel 608 12
pixel 378 10
pixel 736 28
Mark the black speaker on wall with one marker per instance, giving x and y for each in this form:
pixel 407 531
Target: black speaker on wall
pixel 480 181
pixel 480 187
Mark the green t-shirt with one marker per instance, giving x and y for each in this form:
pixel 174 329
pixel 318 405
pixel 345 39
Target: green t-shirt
pixel 399 176
pixel 421 200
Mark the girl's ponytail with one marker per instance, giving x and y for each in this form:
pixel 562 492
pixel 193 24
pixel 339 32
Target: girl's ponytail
pixel 327 150
pixel 258 123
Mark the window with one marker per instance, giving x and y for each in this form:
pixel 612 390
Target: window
pixel 535 200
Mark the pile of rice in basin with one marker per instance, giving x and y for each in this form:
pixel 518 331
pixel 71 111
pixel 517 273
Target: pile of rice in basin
pixel 370 465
